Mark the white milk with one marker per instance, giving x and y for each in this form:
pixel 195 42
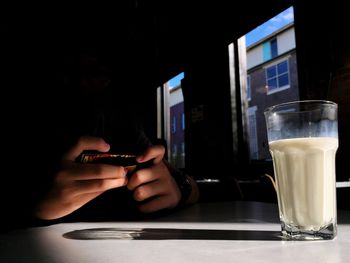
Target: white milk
pixel 305 177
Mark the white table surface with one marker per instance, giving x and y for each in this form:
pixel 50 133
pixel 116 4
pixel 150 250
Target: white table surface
pixel 206 232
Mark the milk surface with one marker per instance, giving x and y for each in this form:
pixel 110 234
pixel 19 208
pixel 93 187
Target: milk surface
pixel 305 178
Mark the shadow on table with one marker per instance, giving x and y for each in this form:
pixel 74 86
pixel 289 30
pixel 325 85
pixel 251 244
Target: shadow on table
pixel 171 233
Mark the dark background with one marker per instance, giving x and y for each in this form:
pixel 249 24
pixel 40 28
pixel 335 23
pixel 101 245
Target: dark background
pixel 146 43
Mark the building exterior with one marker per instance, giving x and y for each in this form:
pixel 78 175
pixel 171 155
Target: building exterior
pixel 177 127
pixel 271 79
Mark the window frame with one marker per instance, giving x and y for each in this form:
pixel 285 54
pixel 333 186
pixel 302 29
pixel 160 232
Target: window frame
pixel 275 64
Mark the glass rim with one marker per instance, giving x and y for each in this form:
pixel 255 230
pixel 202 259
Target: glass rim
pixel 324 102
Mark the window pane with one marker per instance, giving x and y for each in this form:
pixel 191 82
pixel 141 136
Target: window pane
pixel 274 51
pixel 253 137
pixel 173 124
pixel 248 88
pixel 183 120
pixel 282 67
pixel 272 83
pixel 267 51
pixel 283 80
pixel 271 72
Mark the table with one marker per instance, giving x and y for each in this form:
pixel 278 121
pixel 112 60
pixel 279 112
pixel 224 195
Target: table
pixel 205 232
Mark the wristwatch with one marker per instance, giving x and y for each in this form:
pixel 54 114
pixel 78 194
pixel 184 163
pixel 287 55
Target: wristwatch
pixel 184 184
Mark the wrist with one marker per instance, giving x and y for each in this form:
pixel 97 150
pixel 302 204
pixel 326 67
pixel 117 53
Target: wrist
pixel 183 182
pixel 185 187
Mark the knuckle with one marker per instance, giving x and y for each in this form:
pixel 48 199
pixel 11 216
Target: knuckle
pixel 162 149
pixel 138 194
pixel 102 185
pixel 121 170
pixel 80 142
pixel 136 178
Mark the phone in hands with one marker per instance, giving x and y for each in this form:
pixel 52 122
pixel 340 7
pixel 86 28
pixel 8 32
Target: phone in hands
pixel 126 160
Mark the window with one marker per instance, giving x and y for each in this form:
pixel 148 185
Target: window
pixel 174 151
pixel 252 133
pixel 273 45
pixel 182 164
pixel 277 77
pixel 183 121
pixel 171 118
pixel 173 124
pixel 248 88
pixel 267 64
pixel 270 50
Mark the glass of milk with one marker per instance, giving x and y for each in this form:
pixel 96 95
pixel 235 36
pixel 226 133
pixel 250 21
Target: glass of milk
pixel 303 140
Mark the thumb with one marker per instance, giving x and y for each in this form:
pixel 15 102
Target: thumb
pixel 86 143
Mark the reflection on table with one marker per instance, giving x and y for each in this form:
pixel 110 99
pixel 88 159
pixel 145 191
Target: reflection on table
pixel 205 232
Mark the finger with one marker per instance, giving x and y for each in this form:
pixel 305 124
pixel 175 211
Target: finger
pixel 85 198
pixel 141 177
pixel 79 201
pixel 148 190
pixel 66 208
pixel 94 186
pixel 156 151
pixel 161 202
pixel 97 171
pixel 86 143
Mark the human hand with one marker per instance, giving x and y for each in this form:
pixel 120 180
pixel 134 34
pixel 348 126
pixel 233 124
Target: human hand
pixel 76 184
pixel 154 185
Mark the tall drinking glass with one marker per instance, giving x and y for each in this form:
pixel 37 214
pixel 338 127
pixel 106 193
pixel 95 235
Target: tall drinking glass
pixel 303 140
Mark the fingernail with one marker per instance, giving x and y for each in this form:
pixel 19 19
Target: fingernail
pixel 107 146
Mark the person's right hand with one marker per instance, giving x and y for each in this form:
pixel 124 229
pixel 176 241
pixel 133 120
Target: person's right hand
pixel 76 184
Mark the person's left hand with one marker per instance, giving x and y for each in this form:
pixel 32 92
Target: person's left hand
pixel 154 183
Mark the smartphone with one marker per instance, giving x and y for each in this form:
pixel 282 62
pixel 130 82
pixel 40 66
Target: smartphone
pixel 126 160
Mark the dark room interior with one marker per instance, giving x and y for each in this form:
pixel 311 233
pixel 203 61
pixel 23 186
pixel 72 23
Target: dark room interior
pixel 146 43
